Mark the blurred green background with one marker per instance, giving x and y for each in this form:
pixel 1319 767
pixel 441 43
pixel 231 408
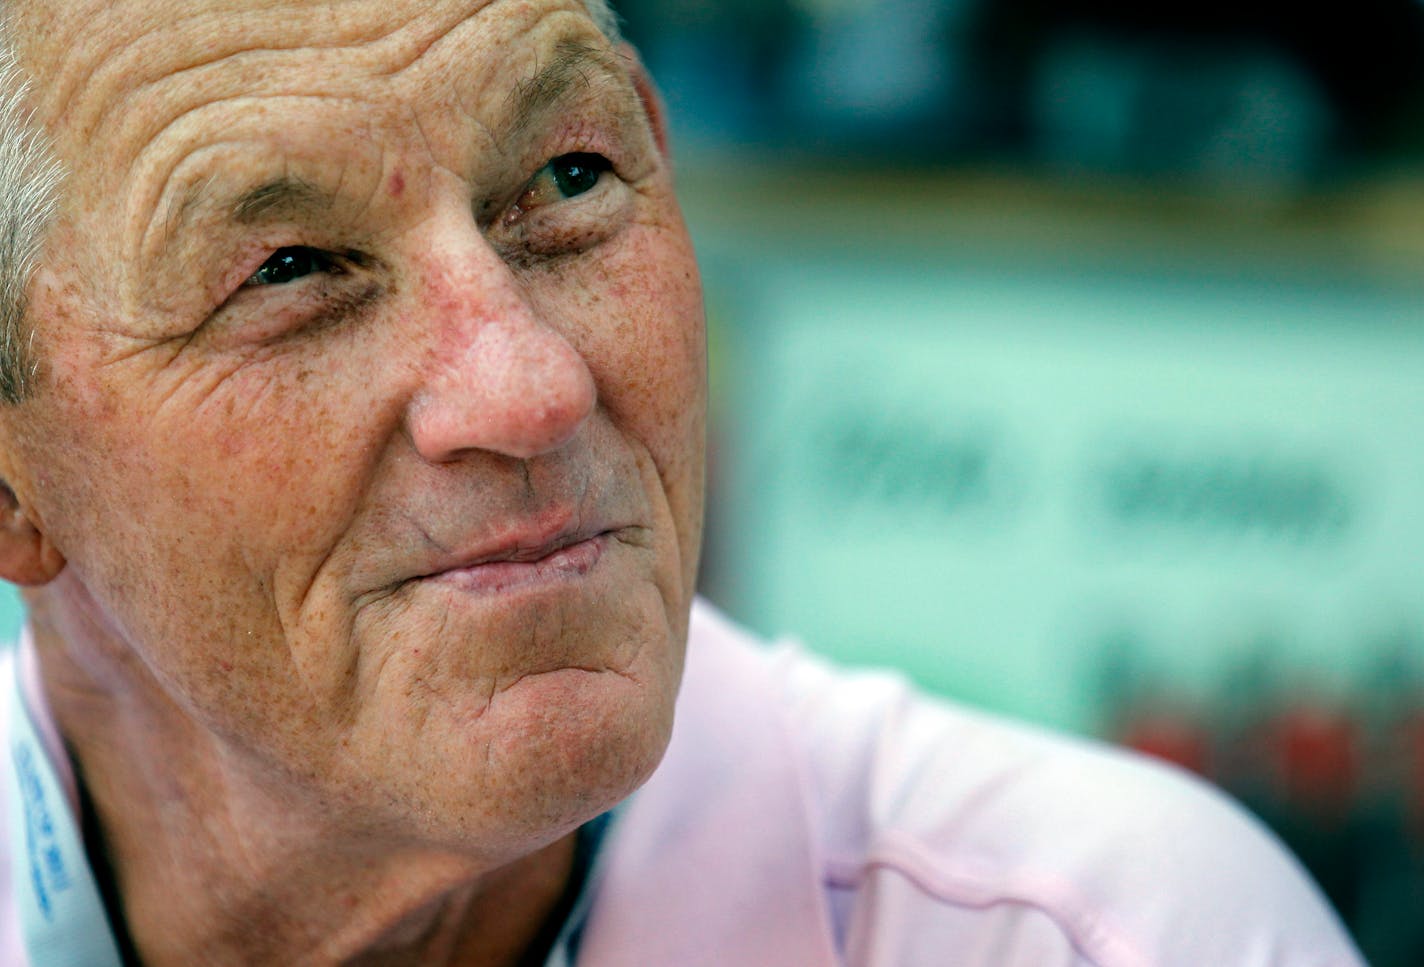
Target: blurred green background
pixel 978 431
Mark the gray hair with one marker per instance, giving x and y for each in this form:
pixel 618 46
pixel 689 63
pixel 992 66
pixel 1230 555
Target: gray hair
pixel 29 200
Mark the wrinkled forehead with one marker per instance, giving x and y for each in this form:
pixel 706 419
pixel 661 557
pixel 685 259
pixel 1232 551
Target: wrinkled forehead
pixel 159 113
pixel 68 46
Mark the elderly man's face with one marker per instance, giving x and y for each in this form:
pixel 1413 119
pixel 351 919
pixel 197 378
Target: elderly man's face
pixel 369 414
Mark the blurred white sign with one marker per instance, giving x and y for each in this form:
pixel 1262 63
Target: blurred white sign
pixel 986 477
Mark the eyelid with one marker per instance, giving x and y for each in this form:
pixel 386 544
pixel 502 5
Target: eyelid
pixel 245 262
pixel 600 130
pixel 597 162
pixel 569 228
pixel 341 266
pixel 329 264
pixel 261 314
pixel 591 126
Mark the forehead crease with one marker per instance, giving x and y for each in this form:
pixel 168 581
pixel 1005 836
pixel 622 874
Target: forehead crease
pixel 106 64
pixel 575 64
pixel 573 67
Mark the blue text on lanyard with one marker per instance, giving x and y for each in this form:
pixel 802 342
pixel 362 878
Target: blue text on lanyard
pixel 61 913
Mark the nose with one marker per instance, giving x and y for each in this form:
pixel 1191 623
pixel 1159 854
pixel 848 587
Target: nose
pixel 496 377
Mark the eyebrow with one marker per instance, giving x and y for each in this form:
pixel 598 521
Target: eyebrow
pixel 572 67
pixel 276 198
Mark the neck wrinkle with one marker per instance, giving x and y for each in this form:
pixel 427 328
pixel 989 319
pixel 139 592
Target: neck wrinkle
pixel 206 861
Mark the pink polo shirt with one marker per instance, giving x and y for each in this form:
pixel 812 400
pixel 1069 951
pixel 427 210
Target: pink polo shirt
pixel 805 816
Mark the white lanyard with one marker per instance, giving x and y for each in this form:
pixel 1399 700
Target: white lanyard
pixel 61 913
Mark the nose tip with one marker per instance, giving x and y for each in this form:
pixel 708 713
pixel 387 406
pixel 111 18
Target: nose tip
pixel 514 387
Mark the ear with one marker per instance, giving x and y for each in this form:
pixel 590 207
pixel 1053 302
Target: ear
pixel 648 92
pixel 26 555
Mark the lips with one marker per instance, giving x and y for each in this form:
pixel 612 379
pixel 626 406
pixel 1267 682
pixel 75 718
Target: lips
pixel 529 555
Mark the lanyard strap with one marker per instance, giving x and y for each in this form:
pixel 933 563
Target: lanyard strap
pixel 587 865
pixel 61 914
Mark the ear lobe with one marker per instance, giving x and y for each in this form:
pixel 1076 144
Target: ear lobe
pixel 26 555
pixel 649 94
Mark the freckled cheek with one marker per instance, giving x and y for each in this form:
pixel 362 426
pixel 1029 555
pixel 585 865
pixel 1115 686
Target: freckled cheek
pixel 641 325
pixel 294 461
pixel 253 458
pixel 644 339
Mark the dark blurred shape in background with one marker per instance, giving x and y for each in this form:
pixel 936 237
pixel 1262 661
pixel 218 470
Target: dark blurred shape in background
pixel 1260 90
pixel 1070 356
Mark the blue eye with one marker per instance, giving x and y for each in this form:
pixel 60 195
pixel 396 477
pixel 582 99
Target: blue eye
pixel 575 174
pixel 566 177
pixel 290 264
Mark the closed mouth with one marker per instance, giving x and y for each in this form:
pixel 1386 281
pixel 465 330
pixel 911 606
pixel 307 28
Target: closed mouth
pixel 561 559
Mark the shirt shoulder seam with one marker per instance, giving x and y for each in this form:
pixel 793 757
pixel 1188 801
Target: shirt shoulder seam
pixel 1092 933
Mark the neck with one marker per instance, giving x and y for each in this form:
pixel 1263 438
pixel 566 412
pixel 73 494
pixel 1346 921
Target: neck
pixel 210 855
pixel 212 889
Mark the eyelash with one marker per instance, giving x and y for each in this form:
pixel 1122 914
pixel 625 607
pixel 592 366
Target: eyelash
pixel 289 259
pixel 565 175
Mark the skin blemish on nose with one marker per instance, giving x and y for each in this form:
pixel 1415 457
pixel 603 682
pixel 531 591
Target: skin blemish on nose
pixel 396 186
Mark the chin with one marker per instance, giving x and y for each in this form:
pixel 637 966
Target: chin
pixel 587 738
pixel 553 752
